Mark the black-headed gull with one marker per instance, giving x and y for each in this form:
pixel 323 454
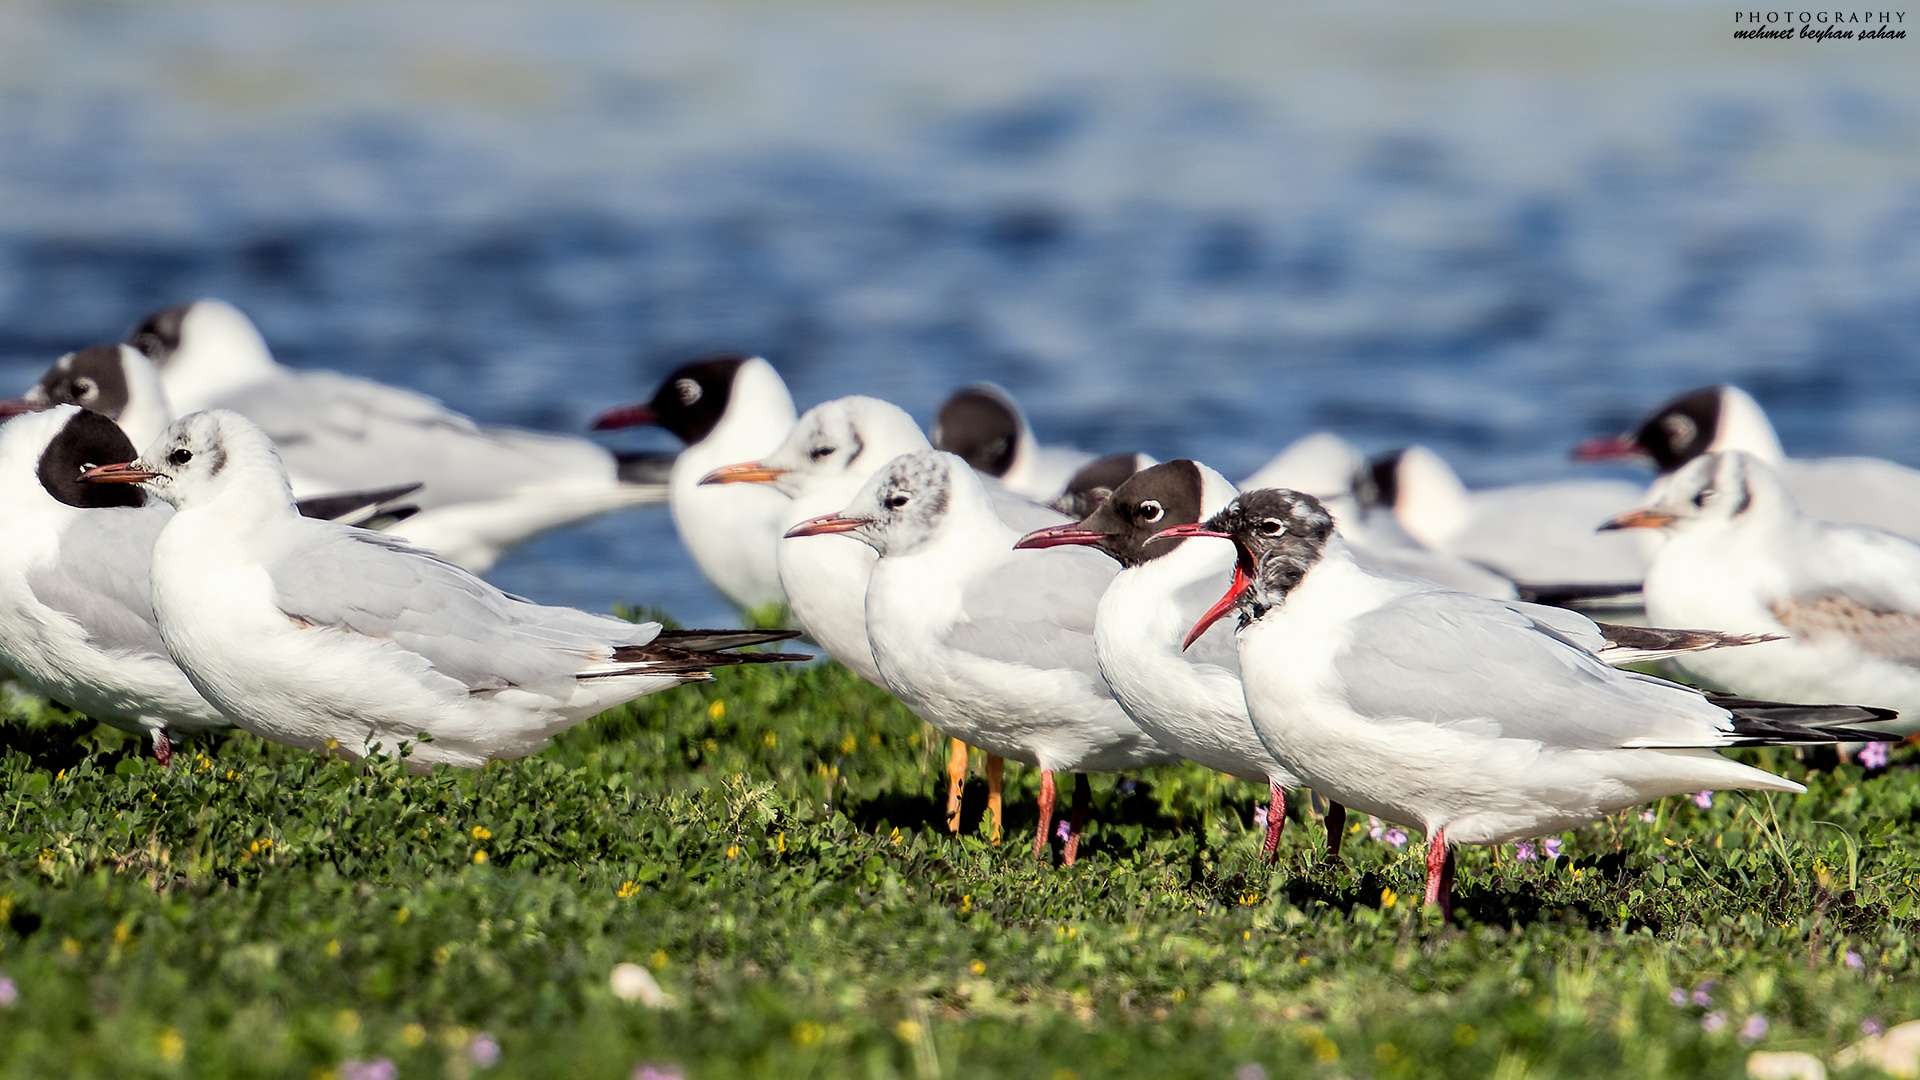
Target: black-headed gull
pixel 116 381
pixel 76 621
pixel 1462 716
pixel 1739 556
pixel 484 490
pixel 983 425
pixel 1090 486
pixel 327 637
pixel 1332 470
pixel 1540 535
pixel 992 645
pixel 1188 699
pixel 1849 490
pixel 727 409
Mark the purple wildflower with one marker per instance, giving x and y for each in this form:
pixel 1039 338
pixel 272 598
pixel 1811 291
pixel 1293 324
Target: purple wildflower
pixel 1853 961
pixel 1260 817
pixel 1649 816
pixel 9 993
pixel 1703 799
pixel 1064 829
pixel 484 1051
pixel 1754 1029
pixel 1523 851
pixel 1128 787
pixel 1551 845
pixel 1703 994
pixel 1678 997
pixel 647 1070
pixel 377 1069
pixel 1873 756
pixel 1713 1022
pixel 1394 838
pixel 1377 828
pixel 1872 1026
pixel 1252 1070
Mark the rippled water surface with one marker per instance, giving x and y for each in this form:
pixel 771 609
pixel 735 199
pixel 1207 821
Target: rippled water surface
pixel 1197 230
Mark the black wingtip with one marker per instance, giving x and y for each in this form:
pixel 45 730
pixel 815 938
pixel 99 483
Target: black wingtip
pixel 1570 594
pixel 719 640
pixel 1776 723
pixel 644 466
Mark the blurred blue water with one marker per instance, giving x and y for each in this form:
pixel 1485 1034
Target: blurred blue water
pixel 1165 262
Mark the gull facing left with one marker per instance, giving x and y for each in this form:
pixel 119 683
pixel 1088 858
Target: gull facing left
pixel 1474 720
pixel 328 637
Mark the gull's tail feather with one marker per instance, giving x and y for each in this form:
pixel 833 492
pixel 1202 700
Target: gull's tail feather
pixel 691 654
pixel 1641 644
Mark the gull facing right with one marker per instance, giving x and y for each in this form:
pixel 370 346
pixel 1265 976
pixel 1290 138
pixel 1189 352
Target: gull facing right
pixel 1462 716
pixel 328 637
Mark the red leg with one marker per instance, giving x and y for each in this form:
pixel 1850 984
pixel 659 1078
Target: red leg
pixel 1276 821
pixel 996 771
pixel 956 783
pixel 1046 813
pixel 163 749
pixel 1336 829
pixel 1440 873
pixel 1077 819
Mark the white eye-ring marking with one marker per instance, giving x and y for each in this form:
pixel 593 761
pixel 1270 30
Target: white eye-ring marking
pixel 1273 527
pixel 688 390
pixel 1680 429
pixel 897 500
pixel 1151 511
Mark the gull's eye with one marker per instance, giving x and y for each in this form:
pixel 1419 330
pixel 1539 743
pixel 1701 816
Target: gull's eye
pixel 819 452
pixel 1272 527
pixel 1151 511
pixel 84 389
pixel 180 456
pixel 1700 498
pixel 897 500
pixel 687 390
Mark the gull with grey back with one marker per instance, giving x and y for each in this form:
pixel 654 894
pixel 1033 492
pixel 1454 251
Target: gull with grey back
pixel 1477 721
pixel 332 638
pixel 484 490
pixel 992 645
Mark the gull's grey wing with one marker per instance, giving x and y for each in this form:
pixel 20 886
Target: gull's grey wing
pixel 1860 584
pixel 1037 609
pixel 353 433
pixel 1456 660
pixel 100 578
pixel 371 584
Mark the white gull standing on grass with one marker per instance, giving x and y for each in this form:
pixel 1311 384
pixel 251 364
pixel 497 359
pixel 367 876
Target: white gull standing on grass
pixel 484 490
pixel 992 645
pixel 1463 716
pixel 332 638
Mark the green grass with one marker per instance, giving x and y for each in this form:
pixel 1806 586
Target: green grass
pixel 770 847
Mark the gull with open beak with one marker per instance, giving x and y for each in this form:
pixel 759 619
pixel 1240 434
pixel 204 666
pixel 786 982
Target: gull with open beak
pixel 1478 721
pixel 992 645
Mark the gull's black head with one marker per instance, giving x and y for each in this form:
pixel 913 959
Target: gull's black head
pixel 1145 503
pixel 982 425
pixel 87 440
pixel 158 335
pixel 92 378
pixel 1280 534
pixel 1095 481
pixel 1378 484
pixel 692 400
pixel 1682 429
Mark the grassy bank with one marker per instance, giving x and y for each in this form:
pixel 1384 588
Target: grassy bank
pixel 769 849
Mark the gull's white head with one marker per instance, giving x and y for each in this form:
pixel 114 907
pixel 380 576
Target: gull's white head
pixel 203 456
pixel 832 450
pixel 903 506
pixel 1726 488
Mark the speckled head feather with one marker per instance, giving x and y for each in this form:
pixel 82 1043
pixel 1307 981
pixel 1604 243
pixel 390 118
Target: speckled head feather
pixel 905 502
pixel 1280 535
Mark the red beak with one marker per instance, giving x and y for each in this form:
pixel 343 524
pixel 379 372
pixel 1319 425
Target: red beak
pixel 826 523
pixel 1059 536
pixel 16 406
pixel 1241 582
pixel 1609 448
pixel 626 416
pixel 126 472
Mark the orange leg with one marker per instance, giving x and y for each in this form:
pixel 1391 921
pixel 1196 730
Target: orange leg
pixel 996 772
pixel 1077 820
pixel 1276 821
pixel 1046 813
pixel 956 783
pixel 1440 873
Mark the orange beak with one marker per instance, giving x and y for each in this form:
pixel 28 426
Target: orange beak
pixel 1639 519
pixel 826 523
pixel 747 472
pixel 126 472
